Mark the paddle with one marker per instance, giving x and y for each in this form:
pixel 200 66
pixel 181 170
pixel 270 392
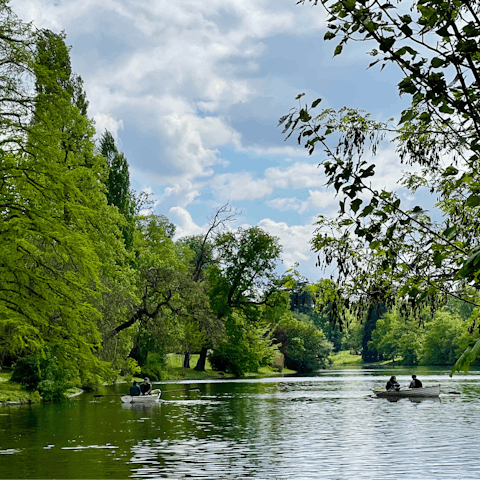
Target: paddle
pixel 182 390
pixel 111 395
pixel 163 391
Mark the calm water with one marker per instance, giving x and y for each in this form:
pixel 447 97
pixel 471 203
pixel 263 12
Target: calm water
pixel 325 426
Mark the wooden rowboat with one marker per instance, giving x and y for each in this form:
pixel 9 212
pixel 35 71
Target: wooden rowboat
pixel 432 391
pixel 155 397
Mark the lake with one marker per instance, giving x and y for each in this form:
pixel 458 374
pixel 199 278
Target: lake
pixel 292 427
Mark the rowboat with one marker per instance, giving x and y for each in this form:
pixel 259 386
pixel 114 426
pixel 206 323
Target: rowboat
pixel 432 391
pixel 145 399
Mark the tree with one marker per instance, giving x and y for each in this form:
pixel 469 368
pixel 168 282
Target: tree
pixel 243 282
pixel 305 348
pixel 55 225
pixel 394 337
pixel 386 252
pixel 119 192
pixel 439 346
pixel 202 247
pixel 247 260
pixel 247 347
pixel 168 302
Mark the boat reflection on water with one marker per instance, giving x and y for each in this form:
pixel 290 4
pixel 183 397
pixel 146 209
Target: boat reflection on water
pixel 413 399
pixel 138 407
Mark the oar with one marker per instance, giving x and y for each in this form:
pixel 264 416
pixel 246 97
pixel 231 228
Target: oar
pixel 182 390
pixel 163 391
pixel 111 395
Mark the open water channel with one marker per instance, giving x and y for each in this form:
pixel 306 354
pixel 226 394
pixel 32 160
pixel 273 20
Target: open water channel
pixel 319 427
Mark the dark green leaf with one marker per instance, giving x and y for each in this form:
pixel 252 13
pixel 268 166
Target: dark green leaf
pixel 473 201
pixel 406 30
pixel 356 204
pixel 443 32
pixel 387 43
pixel 437 62
pixel 450 232
pixel 449 171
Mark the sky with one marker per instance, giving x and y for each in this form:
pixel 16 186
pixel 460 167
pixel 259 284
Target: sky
pixel 192 91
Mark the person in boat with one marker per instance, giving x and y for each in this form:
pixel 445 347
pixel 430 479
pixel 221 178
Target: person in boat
pixel 135 390
pixel 392 384
pixel 415 383
pixel 146 386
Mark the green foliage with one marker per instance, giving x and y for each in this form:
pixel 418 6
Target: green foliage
pixel 394 337
pixel 246 349
pixel 13 392
pixel 45 374
pixel 247 259
pixel 117 182
pixel 57 231
pixel 439 346
pixel 154 366
pixel 305 348
pixel 436 342
pixel 244 291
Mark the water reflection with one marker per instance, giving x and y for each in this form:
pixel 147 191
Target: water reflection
pixel 139 407
pixel 410 399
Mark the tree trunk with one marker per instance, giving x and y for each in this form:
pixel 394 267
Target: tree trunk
pixel 186 360
pixel 200 367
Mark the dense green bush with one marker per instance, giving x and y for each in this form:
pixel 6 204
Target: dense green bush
pixel 27 372
pixel 154 366
pixel 440 341
pixel 44 374
pixel 394 337
pixel 304 346
pixel 246 350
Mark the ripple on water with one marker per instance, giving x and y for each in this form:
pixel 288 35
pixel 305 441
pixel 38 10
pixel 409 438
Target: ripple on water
pixel 291 429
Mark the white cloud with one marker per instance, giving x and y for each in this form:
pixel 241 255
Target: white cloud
pixel 318 201
pixel 285 204
pixel 184 222
pixel 106 122
pixel 180 194
pixel 244 185
pixel 275 150
pixel 294 239
pixel 239 186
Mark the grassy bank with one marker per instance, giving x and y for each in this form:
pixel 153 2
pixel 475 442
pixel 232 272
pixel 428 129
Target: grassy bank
pixel 175 370
pixel 12 393
pixel 346 358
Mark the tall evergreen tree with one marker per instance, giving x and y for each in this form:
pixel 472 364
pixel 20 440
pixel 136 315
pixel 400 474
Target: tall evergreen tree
pixel 119 192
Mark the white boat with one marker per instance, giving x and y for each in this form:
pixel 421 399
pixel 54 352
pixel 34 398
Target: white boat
pixel 155 397
pixel 431 391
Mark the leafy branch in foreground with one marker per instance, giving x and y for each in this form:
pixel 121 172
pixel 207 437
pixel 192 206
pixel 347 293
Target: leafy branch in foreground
pixel 384 251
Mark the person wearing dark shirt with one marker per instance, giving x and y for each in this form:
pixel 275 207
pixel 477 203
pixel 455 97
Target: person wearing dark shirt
pixel 146 386
pixel 415 383
pixel 135 390
pixel 392 384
